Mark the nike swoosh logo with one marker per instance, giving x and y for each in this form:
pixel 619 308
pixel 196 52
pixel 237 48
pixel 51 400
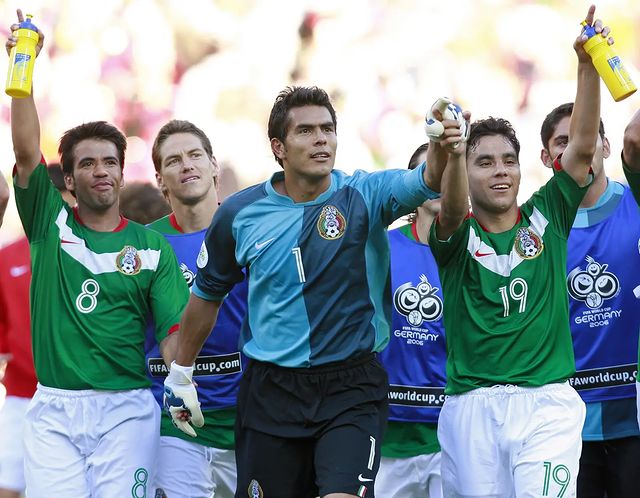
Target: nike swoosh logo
pixel 63 241
pixel 17 271
pixel 260 245
pixel 364 479
pixel 479 254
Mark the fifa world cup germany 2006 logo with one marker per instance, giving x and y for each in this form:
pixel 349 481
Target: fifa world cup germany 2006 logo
pixel 592 285
pixel 418 304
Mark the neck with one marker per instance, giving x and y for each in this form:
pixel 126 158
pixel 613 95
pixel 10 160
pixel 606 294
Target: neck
pixel 196 217
pixel 595 191
pixel 100 221
pixel 302 189
pixel 498 222
pixel 423 224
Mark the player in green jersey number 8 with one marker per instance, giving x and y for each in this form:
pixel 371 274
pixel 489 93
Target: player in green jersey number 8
pixel 92 428
pixel 511 425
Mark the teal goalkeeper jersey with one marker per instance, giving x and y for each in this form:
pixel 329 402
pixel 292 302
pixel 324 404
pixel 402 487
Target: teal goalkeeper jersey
pixel 506 309
pixel 92 293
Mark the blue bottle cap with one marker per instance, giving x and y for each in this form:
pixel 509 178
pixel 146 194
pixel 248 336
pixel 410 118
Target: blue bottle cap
pixel 27 24
pixel 588 30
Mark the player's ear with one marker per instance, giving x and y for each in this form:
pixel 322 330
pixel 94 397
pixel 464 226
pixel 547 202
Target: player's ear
pixel 545 157
pixel 159 181
pixel 278 148
pixel 606 148
pixel 69 182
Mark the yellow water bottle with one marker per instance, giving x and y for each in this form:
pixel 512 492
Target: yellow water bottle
pixel 21 60
pixel 608 64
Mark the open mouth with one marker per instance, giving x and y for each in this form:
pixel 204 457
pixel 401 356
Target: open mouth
pixel 190 179
pixel 321 155
pixel 501 187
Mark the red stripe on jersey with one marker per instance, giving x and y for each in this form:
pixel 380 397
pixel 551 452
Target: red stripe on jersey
pixel 174 222
pixel 123 221
pixel 173 329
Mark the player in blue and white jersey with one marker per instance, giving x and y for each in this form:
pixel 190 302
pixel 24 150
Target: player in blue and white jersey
pixel 312 404
pixel 415 360
pixel 200 466
pixel 603 270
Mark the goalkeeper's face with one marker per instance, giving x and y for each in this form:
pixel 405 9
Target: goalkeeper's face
pixel 494 175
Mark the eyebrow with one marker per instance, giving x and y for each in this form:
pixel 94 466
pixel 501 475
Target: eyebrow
pixel 91 158
pixel 310 125
pixel 196 149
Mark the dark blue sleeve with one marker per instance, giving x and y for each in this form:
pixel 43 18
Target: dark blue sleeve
pixel 218 269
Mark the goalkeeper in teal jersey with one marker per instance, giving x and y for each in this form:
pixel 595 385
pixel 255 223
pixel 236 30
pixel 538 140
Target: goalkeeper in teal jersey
pixel 92 427
pixel 512 424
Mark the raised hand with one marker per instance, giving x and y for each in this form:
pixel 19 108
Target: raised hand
pixel 12 40
pixel 601 30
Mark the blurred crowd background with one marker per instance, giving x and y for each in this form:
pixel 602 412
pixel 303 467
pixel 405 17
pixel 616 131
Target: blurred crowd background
pixel 221 63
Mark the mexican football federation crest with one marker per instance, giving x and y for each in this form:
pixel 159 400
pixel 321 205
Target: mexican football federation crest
pixel 528 244
pixel 331 223
pixel 128 261
pixel 255 491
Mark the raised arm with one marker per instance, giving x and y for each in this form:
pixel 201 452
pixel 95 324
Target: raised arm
pixel 25 126
pixel 585 118
pixel 631 144
pixel 454 206
pixel 4 196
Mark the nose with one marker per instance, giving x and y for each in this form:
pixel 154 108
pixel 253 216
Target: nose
pixel 501 169
pixel 100 169
pixel 320 138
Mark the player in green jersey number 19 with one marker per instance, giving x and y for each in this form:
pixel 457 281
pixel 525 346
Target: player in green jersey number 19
pixel 511 425
pixel 92 428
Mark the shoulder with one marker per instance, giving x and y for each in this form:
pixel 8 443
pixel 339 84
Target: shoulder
pixel 240 200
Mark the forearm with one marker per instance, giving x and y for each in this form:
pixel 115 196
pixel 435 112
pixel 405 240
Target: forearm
pixel 436 162
pixel 25 133
pixel 169 348
pixel 455 197
pixel 584 124
pixel 631 144
pixel 4 196
pixel 198 319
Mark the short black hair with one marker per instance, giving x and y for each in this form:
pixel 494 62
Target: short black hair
pixel 295 96
pixel 98 130
pixel 143 203
pixel 553 118
pixel 57 178
pixel 171 128
pixel 415 161
pixel 489 127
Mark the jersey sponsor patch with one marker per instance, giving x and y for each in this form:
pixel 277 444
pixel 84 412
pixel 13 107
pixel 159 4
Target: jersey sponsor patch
pixel 418 303
pixel 593 285
pixel 528 244
pixel 331 223
pixel 597 378
pixel 203 256
pixel 128 261
pixel 224 364
pixel 426 397
pixel 254 490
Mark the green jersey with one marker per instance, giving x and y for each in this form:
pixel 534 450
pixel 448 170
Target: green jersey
pixel 506 310
pixel 93 292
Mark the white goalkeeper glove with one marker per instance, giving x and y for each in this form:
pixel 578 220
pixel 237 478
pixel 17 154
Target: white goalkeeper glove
pixel 181 399
pixel 449 110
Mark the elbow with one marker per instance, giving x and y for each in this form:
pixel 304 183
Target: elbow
pixel 631 140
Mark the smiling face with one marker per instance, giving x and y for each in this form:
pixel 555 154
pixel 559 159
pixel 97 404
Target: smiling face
pixel 187 173
pixel 309 147
pixel 97 174
pixel 558 143
pixel 494 175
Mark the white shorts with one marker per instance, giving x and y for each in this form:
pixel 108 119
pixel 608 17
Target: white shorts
pixel 11 443
pixel 508 441
pixel 413 477
pixel 190 470
pixel 98 444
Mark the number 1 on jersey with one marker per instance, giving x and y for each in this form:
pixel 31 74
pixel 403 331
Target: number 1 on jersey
pixel 297 253
pixel 517 291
